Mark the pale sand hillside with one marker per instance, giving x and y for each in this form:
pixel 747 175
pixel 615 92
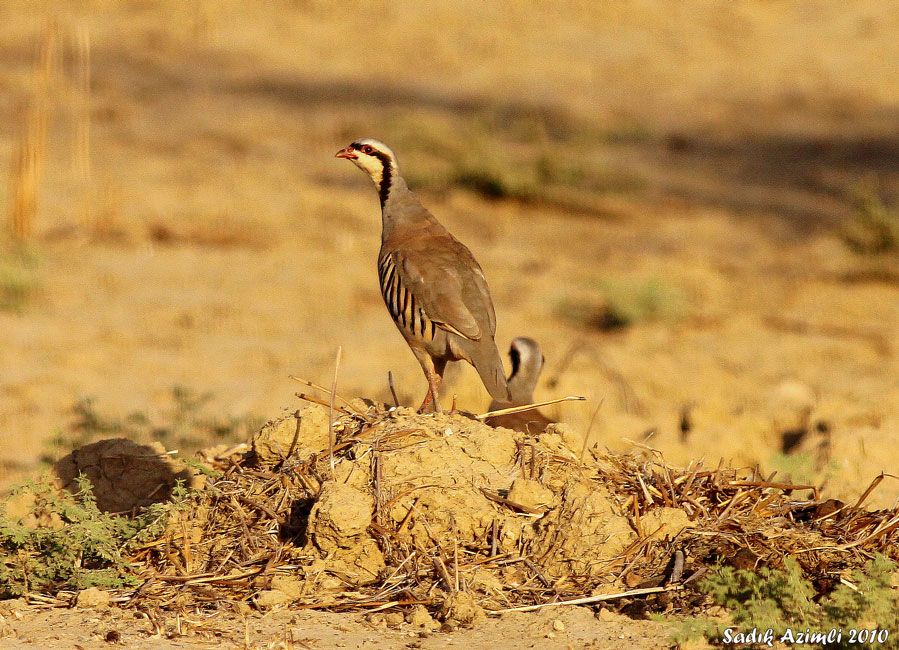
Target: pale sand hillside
pixel 700 155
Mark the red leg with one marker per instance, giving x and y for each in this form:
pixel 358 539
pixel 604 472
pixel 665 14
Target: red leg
pixel 433 370
pixel 433 385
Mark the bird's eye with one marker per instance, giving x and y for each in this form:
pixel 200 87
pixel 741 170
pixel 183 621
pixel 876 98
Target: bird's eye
pixel 367 149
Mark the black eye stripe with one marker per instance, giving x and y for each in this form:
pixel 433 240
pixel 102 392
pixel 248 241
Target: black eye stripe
pixel 515 356
pixel 387 167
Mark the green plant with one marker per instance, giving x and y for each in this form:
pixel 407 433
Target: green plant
pixel 524 156
pixel 64 540
pixel 185 425
pixel 625 302
pixel 18 277
pixel 785 602
pixel 874 230
pixel 797 467
pixel 648 299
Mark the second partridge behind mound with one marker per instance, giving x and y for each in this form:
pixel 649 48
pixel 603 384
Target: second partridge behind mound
pixel 527 362
pixel 434 289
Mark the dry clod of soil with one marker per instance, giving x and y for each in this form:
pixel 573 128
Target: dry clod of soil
pixel 298 436
pixel 608 616
pixel 288 585
pixel 564 438
pixel 338 524
pixel 340 516
pixel 125 475
pixel 271 598
pixel 584 533
pixel 418 616
pixel 462 608
pixel 12 607
pixel 92 598
pixel 669 522
pixel 530 494
pixel 359 565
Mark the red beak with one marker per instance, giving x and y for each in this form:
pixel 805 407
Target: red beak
pixel 347 153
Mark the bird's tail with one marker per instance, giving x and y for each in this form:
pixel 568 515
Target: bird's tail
pixel 486 360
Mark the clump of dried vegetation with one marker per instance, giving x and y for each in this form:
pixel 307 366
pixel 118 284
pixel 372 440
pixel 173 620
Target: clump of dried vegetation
pixel 386 508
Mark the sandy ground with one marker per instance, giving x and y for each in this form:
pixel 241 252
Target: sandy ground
pixel 577 627
pixel 216 244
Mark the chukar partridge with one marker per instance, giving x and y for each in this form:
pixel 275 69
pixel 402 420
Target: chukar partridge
pixel 527 362
pixel 432 286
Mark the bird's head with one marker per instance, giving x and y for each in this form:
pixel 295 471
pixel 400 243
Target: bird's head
pixel 527 358
pixel 373 157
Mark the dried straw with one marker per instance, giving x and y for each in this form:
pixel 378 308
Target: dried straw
pixel 253 519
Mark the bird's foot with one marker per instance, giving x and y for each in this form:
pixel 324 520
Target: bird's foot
pixel 429 405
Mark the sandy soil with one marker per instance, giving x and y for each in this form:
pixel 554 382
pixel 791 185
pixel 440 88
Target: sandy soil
pixel 577 627
pixel 216 244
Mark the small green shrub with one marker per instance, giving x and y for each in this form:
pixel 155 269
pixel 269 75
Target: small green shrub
pixel 875 228
pixel 650 299
pixel 626 302
pixel 785 602
pixel 66 541
pixel 528 157
pixel 797 467
pixel 18 278
pixel 185 425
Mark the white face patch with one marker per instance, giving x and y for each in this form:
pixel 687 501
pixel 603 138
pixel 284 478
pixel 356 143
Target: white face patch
pixel 375 159
pixel 370 165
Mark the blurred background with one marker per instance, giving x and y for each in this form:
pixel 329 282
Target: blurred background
pixel 694 207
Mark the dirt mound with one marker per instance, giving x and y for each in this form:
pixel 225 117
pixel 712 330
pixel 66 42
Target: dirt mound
pixel 439 512
pixel 446 512
pixel 124 475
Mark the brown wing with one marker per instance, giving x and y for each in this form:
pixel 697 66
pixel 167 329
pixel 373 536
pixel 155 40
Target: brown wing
pixel 448 284
pixel 438 284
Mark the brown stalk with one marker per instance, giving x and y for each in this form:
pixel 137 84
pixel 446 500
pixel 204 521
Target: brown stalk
pixel 396 401
pixel 587 600
pixel 877 481
pixel 589 429
pixel 516 506
pixel 321 402
pixel 331 410
pixel 444 574
pixel 528 407
pixel 312 384
pixel 28 161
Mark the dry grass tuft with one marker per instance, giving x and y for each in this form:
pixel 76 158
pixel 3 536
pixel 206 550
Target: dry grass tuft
pixel 28 159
